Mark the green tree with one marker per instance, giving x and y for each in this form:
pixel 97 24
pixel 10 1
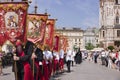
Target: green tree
pixel 110 48
pixel 89 46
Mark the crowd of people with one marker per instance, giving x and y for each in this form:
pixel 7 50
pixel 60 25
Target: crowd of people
pixel 32 63
pixel 110 59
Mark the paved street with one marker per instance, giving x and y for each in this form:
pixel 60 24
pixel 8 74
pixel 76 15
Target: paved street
pixel 90 71
pixel 85 71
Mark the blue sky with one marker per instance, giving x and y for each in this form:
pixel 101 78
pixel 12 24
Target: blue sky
pixel 70 13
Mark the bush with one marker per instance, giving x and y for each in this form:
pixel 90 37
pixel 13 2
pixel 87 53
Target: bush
pixel 111 47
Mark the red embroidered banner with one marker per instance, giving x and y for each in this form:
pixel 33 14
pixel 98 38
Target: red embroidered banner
pixel 13 21
pixel 49 33
pixel 63 43
pixel 56 42
pixel 36 25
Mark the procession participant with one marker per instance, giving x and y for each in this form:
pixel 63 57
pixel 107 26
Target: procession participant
pixel 61 60
pixel 73 57
pixel 38 63
pixel 21 66
pixel 55 62
pixel 37 56
pixel 48 63
pixel 68 59
pixel 78 57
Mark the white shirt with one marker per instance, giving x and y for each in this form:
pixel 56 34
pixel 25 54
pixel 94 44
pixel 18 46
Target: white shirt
pixel 103 54
pixel 73 55
pixel 106 53
pixel 113 55
pixel 69 55
pixel 56 56
pixel 61 54
pixel 47 55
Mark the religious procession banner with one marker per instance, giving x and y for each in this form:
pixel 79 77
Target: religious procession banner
pixel 13 21
pixel 56 42
pixel 62 41
pixel 49 33
pixel 36 25
pixel 65 44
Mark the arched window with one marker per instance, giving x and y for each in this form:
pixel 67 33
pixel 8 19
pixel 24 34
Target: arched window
pixel 117 20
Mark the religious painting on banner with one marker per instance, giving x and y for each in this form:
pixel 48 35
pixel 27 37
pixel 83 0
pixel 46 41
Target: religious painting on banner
pixel 36 25
pixel 56 41
pixel 13 21
pixel 49 33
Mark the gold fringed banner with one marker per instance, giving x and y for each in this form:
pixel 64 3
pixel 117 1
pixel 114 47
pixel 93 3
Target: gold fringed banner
pixel 13 21
pixel 36 25
pixel 49 33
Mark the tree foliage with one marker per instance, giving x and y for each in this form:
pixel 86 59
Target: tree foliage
pixel 89 46
pixel 110 48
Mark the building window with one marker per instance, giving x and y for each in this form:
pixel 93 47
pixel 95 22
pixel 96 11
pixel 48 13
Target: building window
pixel 117 20
pixel 96 40
pixel 79 40
pixel 75 40
pixel 118 33
pixel 103 33
pixel 117 1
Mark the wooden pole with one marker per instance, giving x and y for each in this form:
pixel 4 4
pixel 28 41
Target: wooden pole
pixel 15 65
pixel 33 66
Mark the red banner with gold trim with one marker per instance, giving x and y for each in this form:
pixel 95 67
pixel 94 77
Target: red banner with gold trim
pixel 13 21
pixel 56 43
pixel 36 25
pixel 49 33
pixel 63 43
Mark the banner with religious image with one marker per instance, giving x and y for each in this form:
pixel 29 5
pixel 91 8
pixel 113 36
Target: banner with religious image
pixel 56 42
pixel 36 25
pixel 13 21
pixel 49 33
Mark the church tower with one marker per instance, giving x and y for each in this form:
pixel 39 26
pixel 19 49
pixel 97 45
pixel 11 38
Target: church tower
pixel 109 20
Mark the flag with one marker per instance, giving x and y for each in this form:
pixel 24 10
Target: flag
pixel 13 21
pixel 49 33
pixel 36 25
